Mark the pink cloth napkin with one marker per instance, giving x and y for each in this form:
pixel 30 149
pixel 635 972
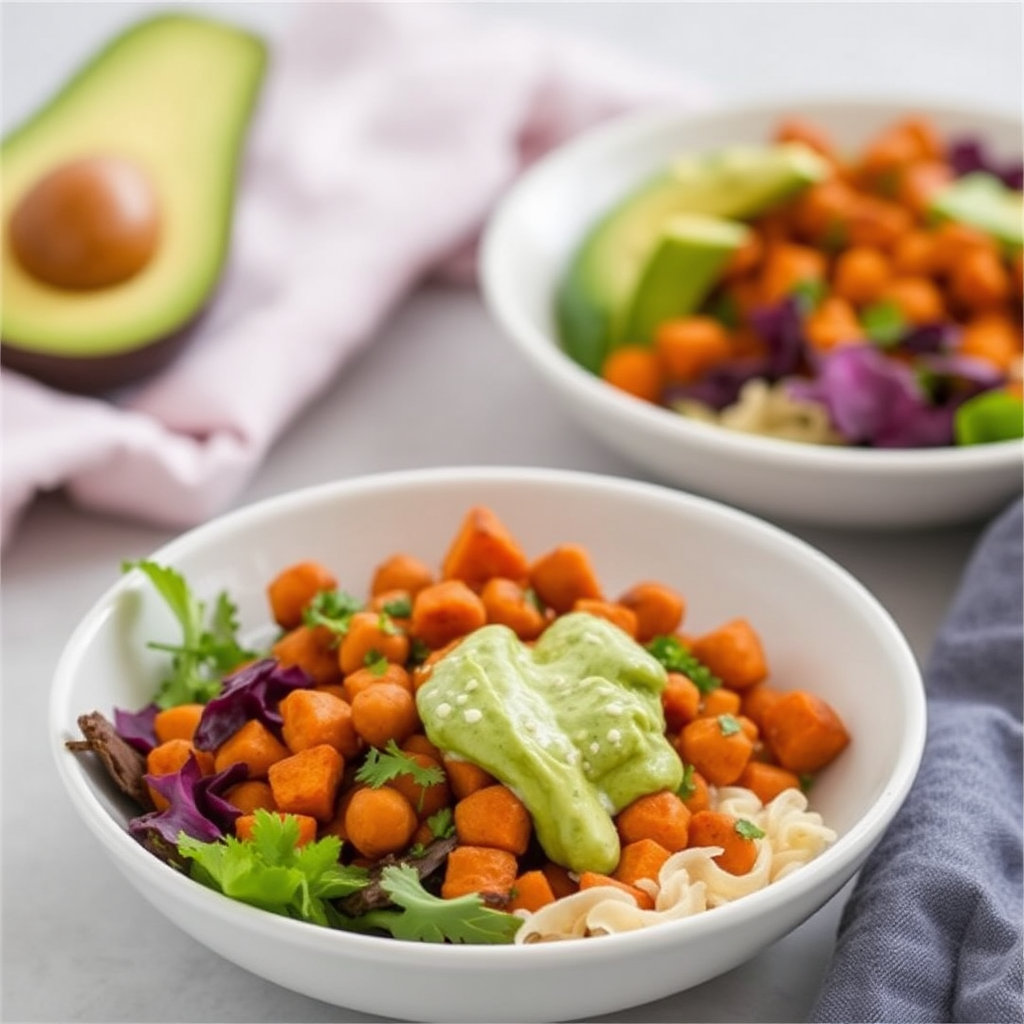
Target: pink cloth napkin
pixel 383 137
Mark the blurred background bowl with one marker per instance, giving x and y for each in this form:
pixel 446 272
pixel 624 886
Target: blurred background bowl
pixel 528 245
pixel 821 629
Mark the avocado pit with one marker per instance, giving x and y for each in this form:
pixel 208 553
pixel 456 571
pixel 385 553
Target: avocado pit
pixel 88 224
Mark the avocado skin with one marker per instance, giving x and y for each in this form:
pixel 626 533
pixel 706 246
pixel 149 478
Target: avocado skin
pixel 99 375
pixel 735 182
pixel 216 54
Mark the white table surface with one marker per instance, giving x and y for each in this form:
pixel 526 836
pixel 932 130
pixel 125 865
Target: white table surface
pixel 78 943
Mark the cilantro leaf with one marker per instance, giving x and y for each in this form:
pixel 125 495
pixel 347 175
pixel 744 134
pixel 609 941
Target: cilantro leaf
pixel 333 609
pixel 381 766
pixel 729 724
pixel 748 829
pixel 808 294
pixel 442 823
pixel 687 787
pixel 399 607
pixel 427 918
pixel 205 655
pixel 676 657
pixel 272 872
pixel 883 323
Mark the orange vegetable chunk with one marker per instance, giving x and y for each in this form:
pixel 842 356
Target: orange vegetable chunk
pixel 493 816
pixel 734 653
pixel 658 609
pixel 445 612
pixel 483 548
pixel 717 747
pixel 804 732
pixel 479 869
pixel 531 891
pixel 641 859
pixel 714 828
pixel 307 827
pixel 307 782
pixel 379 821
pixel 177 723
pixel 292 589
pixel 253 745
pixel 592 879
pixel 312 717
pixel 563 576
pixel 660 816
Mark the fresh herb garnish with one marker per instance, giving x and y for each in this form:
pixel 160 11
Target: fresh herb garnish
pixel 442 823
pixel 418 652
pixel 381 766
pixel 424 917
pixel 687 787
pixel 333 609
pixel 883 323
pixel 808 294
pixel 399 607
pixel 376 662
pixel 806 782
pixel 729 724
pixel 675 657
pixel 748 829
pixel 272 872
pixel 207 652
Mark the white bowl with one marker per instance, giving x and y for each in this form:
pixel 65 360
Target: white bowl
pixel 529 242
pixel 821 629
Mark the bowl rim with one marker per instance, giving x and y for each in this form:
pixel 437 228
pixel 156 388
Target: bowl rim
pixel 497 282
pixel 832 868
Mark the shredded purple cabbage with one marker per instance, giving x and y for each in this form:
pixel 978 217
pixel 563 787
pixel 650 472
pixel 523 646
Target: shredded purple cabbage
pixel 934 337
pixel 781 327
pixel 197 808
pixel 874 400
pixel 252 692
pixel 967 155
pixel 136 727
pixel 718 388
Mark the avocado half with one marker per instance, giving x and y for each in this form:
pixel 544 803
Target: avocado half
pixel 171 98
pixel 594 297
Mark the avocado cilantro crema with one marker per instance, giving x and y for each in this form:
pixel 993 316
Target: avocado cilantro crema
pixel 573 725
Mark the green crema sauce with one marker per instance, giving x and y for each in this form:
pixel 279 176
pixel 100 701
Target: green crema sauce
pixel 573 725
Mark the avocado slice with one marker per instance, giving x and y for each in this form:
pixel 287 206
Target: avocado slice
pixel 166 105
pixel 982 201
pixel 737 182
pixel 688 257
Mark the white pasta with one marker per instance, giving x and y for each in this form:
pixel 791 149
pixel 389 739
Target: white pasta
pixel 768 409
pixel 690 881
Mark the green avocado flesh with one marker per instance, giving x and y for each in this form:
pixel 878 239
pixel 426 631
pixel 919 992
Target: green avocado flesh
pixel 172 96
pixel 734 183
pixel 688 256
pixel 573 725
pixel 983 202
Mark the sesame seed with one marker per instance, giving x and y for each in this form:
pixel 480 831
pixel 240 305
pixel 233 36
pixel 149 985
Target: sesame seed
pixel 614 709
pixel 472 715
pixel 614 736
pixel 572 757
pixel 461 699
pixel 444 710
pixel 529 725
pixel 471 685
pixel 595 747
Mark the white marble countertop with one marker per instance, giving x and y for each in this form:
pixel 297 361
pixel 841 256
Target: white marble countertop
pixel 78 943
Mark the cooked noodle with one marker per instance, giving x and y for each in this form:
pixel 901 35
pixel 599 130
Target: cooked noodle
pixel 690 881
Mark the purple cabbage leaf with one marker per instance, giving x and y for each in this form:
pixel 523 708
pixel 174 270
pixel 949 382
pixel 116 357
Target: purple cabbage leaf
pixel 197 808
pixel 252 692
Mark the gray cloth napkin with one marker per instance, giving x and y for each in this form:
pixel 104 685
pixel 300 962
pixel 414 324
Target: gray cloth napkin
pixel 933 929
